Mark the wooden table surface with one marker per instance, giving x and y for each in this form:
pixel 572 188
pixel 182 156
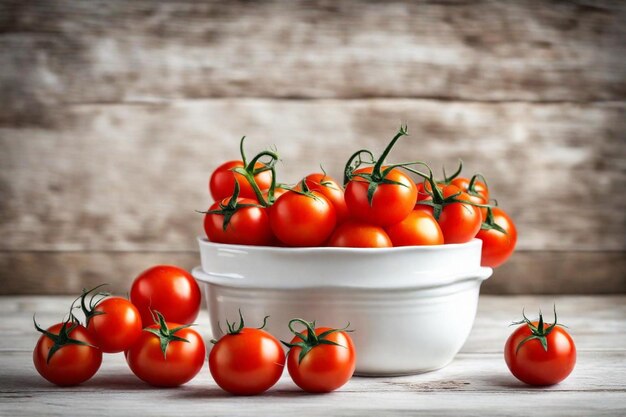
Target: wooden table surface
pixel 476 383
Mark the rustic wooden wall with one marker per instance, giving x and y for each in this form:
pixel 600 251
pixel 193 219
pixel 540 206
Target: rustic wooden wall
pixel 114 113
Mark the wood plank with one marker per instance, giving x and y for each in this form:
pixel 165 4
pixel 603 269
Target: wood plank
pixel 527 272
pixel 115 50
pixel 598 323
pixel 476 383
pixel 129 177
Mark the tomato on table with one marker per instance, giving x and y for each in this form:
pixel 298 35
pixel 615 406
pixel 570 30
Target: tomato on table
pixel 320 359
pixel 167 354
pixel 168 289
pixel 246 361
pixel 418 228
pixel 539 353
pixel 354 234
pixel 302 217
pixel 65 353
pixel 499 236
pixel 114 322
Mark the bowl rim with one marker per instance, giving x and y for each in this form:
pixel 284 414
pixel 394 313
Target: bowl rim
pixel 334 249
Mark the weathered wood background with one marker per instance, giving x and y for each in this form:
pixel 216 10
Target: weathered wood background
pixel 114 113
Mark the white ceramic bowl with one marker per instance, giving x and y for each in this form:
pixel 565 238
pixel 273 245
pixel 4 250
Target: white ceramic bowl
pixel 412 308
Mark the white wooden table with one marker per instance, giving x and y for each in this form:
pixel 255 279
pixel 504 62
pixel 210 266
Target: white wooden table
pixel 477 383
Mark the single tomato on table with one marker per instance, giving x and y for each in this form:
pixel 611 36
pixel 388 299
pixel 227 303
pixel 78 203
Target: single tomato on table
pixel 167 354
pixel 246 361
pixel 320 359
pixel 66 354
pixel 168 289
pixel 539 353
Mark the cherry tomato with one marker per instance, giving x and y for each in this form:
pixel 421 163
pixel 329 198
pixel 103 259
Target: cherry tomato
pixel 320 367
pixel 359 235
pixel 115 324
pixel 246 361
pixel 248 224
pixel 66 355
pixel 168 289
pixel 330 189
pixel 222 181
pixel 391 202
pixel 418 228
pixel 302 218
pixel 167 354
pixel 479 186
pixel 498 245
pixel 539 353
pixel 459 222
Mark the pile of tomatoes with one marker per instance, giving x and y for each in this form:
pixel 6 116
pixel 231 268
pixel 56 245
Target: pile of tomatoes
pixel 154 330
pixel 378 205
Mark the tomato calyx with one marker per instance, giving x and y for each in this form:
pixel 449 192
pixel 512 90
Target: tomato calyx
pixel 228 210
pixel 165 335
pixel 63 337
pixel 249 170
pixel 95 299
pixel 303 189
pixel 490 223
pixel 537 332
pixel 310 340
pixel 471 187
pixel 448 180
pixel 235 329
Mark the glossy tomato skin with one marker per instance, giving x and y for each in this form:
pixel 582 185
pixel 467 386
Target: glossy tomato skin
pixel 391 202
pixel 247 363
pixel 329 188
pixel 248 226
pixel 354 234
pixel 325 367
pixel 479 186
pixel 459 222
pixel 183 360
pixel 116 325
pixel 497 246
pixel 418 228
pixel 71 364
pixel 535 366
pixel 302 220
pixel 168 289
pixel 222 181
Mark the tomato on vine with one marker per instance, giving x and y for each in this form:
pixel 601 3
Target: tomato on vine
pixel 302 217
pixel 114 322
pixel 539 353
pixel 499 236
pixel 239 221
pixel 354 234
pixel 253 177
pixel 380 195
pixel 167 354
pixel 246 361
pixel 329 188
pixel 66 353
pixel 320 359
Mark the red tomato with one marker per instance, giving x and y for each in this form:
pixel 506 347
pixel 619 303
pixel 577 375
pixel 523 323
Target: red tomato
pixel 352 234
pixel 302 219
pixel 391 203
pixel 497 246
pixel 66 355
pixel 246 361
pixel 115 324
pixel 459 222
pixel 168 289
pixel 539 353
pixel 222 181
pixel 330 189
pixel 167 354
pixel 418 228
pixel 321 367
pixel 479 186
pixel 247 224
